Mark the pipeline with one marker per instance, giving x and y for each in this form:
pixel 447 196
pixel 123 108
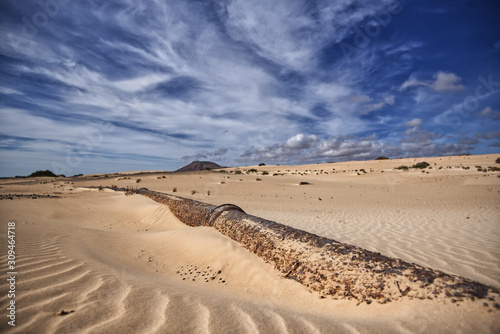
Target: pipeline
pixel 331 268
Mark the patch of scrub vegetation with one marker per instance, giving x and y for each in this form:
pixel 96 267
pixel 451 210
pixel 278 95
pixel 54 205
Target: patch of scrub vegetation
pixel 421 165
pixel 40 173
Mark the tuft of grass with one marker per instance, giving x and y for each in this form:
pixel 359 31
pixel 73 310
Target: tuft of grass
pixel 237 172
pixel 265 173
pixel 208 193
pixel 262 164
pixel 402 168
pixel 497 160
pixel 174 190
pixel 257 179
pixel 253 170
pixel 304 183
pixel 100 188
pixel 193 192
pixel 138 181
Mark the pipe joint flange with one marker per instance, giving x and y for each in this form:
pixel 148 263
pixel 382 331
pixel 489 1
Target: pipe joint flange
pixel 216 212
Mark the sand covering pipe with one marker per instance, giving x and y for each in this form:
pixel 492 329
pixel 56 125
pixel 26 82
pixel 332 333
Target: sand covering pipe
pixel 324 265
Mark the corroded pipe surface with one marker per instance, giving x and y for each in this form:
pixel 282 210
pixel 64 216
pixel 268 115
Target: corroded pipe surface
pixel 324 265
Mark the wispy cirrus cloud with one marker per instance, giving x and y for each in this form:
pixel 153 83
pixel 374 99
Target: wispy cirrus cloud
pixel 442 81
pixel 167 81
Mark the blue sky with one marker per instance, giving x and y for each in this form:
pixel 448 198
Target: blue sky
pixel 105 86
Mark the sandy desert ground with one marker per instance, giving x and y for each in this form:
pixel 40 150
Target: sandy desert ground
pixel 126 264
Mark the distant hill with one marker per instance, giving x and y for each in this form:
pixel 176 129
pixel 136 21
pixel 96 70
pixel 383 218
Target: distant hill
pixel 199 165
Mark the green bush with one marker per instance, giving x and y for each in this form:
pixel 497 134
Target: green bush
pixel 497 160
pixel 402 168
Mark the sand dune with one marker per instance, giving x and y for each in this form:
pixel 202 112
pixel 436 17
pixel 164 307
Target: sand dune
pixel 126 264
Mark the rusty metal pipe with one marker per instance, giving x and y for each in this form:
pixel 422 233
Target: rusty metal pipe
pixel 331 268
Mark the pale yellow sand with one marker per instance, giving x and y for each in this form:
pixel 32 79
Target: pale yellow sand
pixel 125 264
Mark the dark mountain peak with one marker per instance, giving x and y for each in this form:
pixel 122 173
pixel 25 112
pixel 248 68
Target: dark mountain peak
pixel 199 165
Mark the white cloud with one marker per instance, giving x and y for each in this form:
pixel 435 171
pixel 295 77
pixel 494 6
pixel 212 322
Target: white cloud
pixel 414 126
pixel 388 101
pixel 10 91
pixel 416 143
pixel 290 32
pixel 487 112
pixel 416 122
pixel 447 82
pixel 410 83
pixel 442 82
pixel 300 141
pixel 138 84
